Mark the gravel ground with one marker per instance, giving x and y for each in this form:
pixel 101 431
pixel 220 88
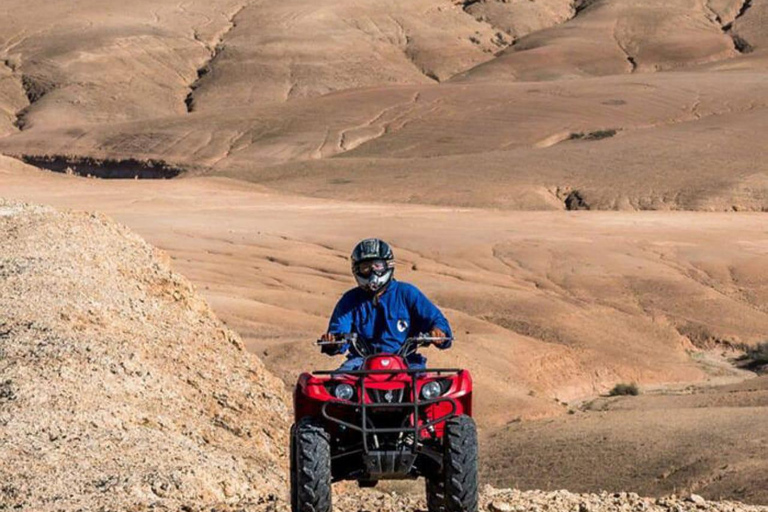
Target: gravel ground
pixel 507 500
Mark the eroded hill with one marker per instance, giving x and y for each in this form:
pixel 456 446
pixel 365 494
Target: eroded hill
pixel 656 105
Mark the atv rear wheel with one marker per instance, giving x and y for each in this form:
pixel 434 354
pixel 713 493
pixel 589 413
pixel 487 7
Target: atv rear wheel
pixel 310 467
pixel 460 465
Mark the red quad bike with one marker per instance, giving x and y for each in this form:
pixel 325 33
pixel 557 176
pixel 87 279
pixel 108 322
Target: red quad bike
pixel 384 421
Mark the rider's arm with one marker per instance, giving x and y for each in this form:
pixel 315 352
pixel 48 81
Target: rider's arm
pixel 427 314
pixel 340 323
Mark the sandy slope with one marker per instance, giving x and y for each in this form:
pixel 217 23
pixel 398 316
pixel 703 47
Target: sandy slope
pixel 620 36
pixel 710 441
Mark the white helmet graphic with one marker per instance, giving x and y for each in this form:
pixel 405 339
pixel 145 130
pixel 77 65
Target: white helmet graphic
pixel 373 264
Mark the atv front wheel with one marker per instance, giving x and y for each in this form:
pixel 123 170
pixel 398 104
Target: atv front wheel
pixel 435 493
pixel 460 465
pixel 310 468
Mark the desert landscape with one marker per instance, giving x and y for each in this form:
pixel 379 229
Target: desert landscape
pixel 580 186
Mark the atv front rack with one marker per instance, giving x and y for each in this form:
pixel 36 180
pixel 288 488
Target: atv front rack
pixel 364 407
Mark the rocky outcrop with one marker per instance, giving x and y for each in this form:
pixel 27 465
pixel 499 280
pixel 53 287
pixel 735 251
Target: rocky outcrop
pixel 119 388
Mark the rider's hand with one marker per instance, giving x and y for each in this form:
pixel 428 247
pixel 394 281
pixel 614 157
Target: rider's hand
pixel 330 350
pixel 436 332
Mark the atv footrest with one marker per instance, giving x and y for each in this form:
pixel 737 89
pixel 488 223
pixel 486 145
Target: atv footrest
pixel 382 465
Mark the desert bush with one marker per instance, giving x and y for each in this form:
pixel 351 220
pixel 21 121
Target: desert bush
pixel 624 389
pixel 758 354
pixel 596 135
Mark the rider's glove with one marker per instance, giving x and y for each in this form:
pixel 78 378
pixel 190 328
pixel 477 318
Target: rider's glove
pixel 437 332
pixel 331 350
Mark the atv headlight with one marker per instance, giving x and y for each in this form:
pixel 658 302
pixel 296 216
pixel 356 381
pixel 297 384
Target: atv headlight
pixel 344 392
pixel 431 390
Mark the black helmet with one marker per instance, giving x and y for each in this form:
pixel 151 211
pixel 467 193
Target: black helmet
pixel 373 264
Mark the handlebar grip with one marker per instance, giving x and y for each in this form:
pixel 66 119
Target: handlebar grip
pixel 334 342
pixel 429 339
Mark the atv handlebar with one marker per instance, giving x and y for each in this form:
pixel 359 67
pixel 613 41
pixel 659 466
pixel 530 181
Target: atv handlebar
pixel 363 347
pixel 423 340
pixel 339 339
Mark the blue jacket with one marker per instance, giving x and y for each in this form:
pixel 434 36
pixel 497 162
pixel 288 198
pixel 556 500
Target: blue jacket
pixel 402 311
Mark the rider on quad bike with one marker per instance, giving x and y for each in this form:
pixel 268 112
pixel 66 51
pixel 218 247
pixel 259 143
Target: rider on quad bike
pixel 383 414
pixel 381 310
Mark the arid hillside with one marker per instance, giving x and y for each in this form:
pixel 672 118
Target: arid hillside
pixel 709 441
pixel 599 104
pixel 119 388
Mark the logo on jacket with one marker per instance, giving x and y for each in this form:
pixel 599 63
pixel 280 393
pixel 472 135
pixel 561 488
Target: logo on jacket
pixel 402 325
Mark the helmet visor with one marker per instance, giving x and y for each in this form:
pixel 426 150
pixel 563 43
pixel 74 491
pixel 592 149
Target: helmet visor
pixel 369 267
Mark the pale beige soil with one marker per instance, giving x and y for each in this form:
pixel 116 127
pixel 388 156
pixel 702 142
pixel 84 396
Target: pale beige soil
pixel 707 441
pixel 119 388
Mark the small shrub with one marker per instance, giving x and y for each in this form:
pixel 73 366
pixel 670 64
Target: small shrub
pixel 624 389
pixel 600 135
pixel 596 135
pixel 759 353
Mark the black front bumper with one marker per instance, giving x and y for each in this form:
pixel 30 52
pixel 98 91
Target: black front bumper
pixel 388 464
pixel 383 465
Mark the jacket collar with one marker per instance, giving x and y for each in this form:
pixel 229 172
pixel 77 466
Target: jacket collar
pixel 377 297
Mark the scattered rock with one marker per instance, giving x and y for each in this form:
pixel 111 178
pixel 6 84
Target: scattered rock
pixel 575 201
pixel 6 392
pixel 500 506
pixel 695 498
